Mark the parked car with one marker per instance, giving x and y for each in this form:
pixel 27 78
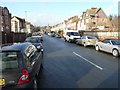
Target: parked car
pixel 20 65
pixel 110 46
pixel 71 35
pixel 87 40
pixel 52 34
pixel 38 35
pixel 57 36
pixel 36 42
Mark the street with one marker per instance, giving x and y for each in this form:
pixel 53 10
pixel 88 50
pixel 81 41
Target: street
pixel 67 65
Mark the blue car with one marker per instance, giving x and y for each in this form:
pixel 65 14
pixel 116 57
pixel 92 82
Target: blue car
pixel 36 42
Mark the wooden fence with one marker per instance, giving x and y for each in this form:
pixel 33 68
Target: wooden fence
pixel 13 37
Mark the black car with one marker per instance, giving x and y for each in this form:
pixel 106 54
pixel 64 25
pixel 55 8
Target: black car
pixel 20 65
pixel 36 42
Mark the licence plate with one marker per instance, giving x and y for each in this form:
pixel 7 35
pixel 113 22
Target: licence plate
pixel 2 82
pixel 93 41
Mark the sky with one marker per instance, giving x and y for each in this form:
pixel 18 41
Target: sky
pixel 42 13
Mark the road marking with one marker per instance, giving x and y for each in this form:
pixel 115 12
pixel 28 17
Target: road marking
pixel 88 61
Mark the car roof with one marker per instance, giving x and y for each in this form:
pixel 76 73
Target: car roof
pixel 33 37
pixel 15 47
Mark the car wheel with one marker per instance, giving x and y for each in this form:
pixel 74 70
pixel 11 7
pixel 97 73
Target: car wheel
pixel 69 41
pixel 77 42
pixel 97 48
pixel 115 52
pixel 84 45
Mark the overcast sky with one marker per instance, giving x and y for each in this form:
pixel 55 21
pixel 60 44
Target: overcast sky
pixel 41 13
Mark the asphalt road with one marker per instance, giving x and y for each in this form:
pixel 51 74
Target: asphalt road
pixel 67 65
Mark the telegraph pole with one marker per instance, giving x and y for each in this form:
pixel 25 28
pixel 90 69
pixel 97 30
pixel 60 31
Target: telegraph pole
pixel 26 15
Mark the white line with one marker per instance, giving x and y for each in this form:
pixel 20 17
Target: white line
pixel 89 61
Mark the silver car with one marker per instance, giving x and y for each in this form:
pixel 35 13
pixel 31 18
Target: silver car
pixel 87 41
pixel 110 46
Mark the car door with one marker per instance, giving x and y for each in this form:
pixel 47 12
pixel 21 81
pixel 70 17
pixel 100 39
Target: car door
pixel 106 46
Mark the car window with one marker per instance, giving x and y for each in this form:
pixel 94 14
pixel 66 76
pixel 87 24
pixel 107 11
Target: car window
pixel 74 33
pixel 115 42
pixel 68 33
pixel 33 57
pixel 33 40
pixel 83 37
pixel 106 41
pixel 9 60
pixel 31 54
pixel 30 50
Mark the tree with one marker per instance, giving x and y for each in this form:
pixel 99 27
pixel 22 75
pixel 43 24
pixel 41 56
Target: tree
pixel 110 17
pixel 115 23
pixel 36 29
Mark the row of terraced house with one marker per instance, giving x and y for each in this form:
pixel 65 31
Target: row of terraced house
pixel 12 27
pixel 91 21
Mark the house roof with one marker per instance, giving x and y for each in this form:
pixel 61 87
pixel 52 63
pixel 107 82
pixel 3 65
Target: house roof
pixel 22 20
pixel 92 11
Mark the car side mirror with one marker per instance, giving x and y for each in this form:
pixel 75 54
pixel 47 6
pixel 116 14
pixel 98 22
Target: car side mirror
pixel 69 35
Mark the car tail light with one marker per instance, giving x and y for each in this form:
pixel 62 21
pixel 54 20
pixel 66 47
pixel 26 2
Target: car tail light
pixel 24 77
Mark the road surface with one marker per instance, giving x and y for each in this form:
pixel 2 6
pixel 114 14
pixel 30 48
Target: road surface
pixel 67 65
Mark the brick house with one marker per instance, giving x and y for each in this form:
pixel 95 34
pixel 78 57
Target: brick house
pixel 72 23
pixel 5 20
pixel 94 19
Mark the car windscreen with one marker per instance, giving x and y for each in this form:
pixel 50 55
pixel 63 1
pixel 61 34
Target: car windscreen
pixel 9 60
pixel 115 42
pixel 74 33
pixel 33 40
pixel 89 37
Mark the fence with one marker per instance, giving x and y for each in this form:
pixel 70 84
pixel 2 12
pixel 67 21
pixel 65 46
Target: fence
pixel 13 37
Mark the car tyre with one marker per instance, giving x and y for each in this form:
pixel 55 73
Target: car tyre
pixel 84 45
pixel 77 42
pixel 115 52
pixel 97 48
pixel 69 41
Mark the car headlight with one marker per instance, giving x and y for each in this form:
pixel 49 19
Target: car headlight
pixel 38 46
pixel 42 50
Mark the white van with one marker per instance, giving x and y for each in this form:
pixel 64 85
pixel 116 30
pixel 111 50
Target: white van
pixel 71 35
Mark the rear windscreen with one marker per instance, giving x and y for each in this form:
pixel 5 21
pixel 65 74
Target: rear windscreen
pixel 9 60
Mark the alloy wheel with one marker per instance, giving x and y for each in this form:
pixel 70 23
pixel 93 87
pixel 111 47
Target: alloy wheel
pixel 115 52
